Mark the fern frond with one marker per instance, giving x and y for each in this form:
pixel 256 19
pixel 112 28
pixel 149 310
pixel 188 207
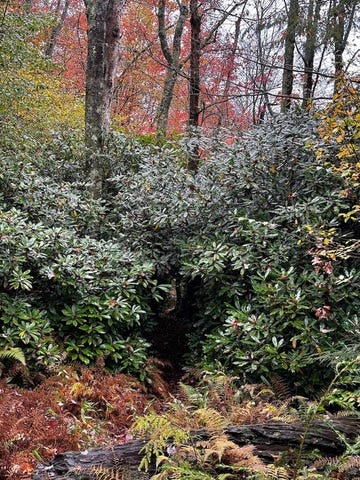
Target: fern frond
pixel 244 457
pixel 347 352
pixel 218 381
pixel 211 419
pixel 276 473
pixel 13 353
pixel 160 432
pixel 99 472
pixel 350 463
pixel 215 447
pixel 192 395
pixel 102 473
pixel 81 389
pixel 93 473
pixel 326 462
pixel 279 387
pixel 219 451
pixel 182 471
pixel 155 377
pixel 345 414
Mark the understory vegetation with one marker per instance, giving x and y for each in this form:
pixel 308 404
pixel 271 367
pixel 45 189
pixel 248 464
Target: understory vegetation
pixel 251 263
pixel 240 279
pixel 248 268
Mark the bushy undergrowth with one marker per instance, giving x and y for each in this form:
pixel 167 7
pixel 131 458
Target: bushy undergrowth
pixel 254 244
pixel 194 437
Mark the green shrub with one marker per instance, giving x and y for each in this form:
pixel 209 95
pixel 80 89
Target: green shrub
pixel 251 241
pixel 254 245
pixel 81 296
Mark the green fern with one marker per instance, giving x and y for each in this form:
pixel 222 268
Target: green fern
pixel 13 353
pixel 99 472
pixel 182 471
pixel 218 381
pixel 160 432
pixel 313 410
pixel 194 396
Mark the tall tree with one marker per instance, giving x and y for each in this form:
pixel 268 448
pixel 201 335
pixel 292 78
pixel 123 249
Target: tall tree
pixel 290 39
pixel 219 56
pixel 206 19
pixel 194 80
pixel 172 58
pixel 343 12
pixel 261 100
pixel 103 18
pixel 230 61
pixel 253 64
pixel 55 31
pixel 311 30
pixel 195 54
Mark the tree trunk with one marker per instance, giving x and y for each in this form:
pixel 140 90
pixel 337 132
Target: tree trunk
pixel 172 57
pixel 56 29
pixel 269 439
pixel 262 72
pixel 103 18
pixel 312 23
pixel 194 84
pixel 288 73
pixel 343 19
pixel 224 109
pixel 195 54
pixel 339 46
pixel 166 99
pixel 70 464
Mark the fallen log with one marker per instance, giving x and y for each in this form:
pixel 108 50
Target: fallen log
pixel 75 465
pixel 270 439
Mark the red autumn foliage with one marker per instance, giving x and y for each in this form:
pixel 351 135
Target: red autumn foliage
pixel 74 409
pixel 140 79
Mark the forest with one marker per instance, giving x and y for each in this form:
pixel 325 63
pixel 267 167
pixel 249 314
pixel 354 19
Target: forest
pixel 179 239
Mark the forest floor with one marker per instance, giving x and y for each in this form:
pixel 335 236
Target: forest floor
pixel 78 408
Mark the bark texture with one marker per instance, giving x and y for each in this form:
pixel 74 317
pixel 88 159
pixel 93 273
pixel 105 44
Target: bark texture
pixel 290 38
pixel 312 25
pixel 195 54
pixel 103 18
pixel 343 19
pixel 269 439
pixel 194 84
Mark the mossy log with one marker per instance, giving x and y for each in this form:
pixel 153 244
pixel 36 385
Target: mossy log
pixel 270 440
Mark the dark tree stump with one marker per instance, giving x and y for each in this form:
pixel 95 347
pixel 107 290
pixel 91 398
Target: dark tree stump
pixel 269 439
